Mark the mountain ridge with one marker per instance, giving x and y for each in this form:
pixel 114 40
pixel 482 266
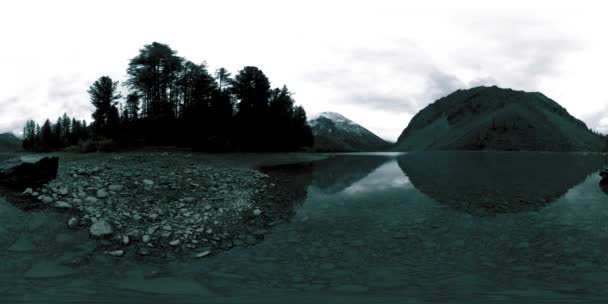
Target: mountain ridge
pixel 493 118
pixel 335 133
pixel 9 142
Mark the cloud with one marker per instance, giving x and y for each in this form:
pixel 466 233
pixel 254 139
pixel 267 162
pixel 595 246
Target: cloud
pixel 483 81
pixel 401 78
pixel 597 120
pixel 440 84
pixel 62 94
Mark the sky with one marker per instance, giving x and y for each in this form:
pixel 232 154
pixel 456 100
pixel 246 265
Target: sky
pixel 375 62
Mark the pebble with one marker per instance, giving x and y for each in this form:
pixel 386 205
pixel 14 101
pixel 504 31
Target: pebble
pixel 62 205
pixel 152 230
pixel 115 188
pixel 116 253
pixel 203 254
pixel 257 212
pixel 102 193
pixel 146 238
pixel 47 199
pixel 175 242
pixel 125 240
pixel 72 222
pixel 143 251
pixel 148 182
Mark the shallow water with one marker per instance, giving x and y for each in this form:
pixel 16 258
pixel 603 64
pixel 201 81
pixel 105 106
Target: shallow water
pixel 415 228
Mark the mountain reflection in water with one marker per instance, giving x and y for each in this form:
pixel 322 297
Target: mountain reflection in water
pixel 497 182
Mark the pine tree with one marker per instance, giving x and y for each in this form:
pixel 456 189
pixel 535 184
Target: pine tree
pixel 104 97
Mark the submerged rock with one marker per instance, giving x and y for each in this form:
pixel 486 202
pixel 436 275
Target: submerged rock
pixel 27 171
pixel 101 229
pixel 73 223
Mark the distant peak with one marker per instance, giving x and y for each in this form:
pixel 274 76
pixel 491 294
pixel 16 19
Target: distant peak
pixel 331 116
pixel 8 134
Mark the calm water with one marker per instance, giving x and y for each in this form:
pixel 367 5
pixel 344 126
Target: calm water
pixel 386 228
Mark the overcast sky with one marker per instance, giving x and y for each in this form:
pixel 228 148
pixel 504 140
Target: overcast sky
pixel 376 62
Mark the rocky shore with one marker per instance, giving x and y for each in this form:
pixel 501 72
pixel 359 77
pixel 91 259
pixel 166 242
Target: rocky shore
pixel 150 204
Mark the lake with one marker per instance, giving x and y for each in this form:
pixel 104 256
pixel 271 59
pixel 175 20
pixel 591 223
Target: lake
pixel 439 227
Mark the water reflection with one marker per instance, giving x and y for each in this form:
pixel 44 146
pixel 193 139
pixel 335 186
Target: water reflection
pixel 339 172
pixel 495 182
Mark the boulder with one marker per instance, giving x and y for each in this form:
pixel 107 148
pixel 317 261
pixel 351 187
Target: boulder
pixel 28 171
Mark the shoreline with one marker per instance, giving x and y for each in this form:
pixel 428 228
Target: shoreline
pixel 151 204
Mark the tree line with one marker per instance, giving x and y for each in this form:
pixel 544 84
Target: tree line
pixel 50 136
pixel 173 101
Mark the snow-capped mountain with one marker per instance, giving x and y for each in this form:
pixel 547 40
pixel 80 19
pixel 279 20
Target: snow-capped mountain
pixel 334 132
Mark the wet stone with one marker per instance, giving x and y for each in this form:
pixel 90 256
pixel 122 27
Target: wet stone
pixel 101 229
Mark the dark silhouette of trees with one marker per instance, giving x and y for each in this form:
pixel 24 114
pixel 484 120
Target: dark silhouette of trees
pixel 46 136
pixel 154 74
pixel 223 78
pixel 132 107
pixel 64 133
pixel 173 101
pixel 301 132
pixel 104 97
pixel 29 135
pixel 251 89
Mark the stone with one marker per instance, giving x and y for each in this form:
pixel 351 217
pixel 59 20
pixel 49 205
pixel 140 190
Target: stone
pixel 175 242
pixel 91 200
pixel 148 182
pixel 101 229
pixel 28 171
pixel 203 254
pixel 116 253
pixel 28 191
pixel 62 205
pixel 146 238
pixel 73 223
pixel 257 212
pixel 115 188
pixel 152 230
pixel 143 251
pixel 102 193
pixel 47 199
pixel 125 240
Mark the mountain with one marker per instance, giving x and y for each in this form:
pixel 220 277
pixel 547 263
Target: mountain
pixel 336 133
pixel 492 118
pixel 9 142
